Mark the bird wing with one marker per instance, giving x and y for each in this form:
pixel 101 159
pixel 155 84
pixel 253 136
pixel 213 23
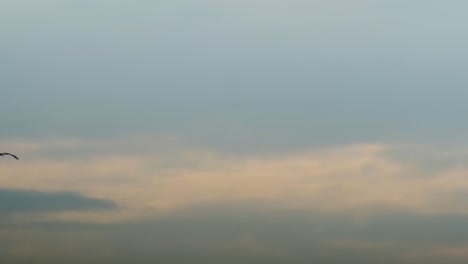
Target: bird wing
pixel 14 156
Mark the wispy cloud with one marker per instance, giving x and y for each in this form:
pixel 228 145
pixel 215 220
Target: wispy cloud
pixel 158 179
pixel 402 203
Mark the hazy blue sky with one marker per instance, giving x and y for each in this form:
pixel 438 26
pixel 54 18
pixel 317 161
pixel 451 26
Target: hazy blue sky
pixel 259 131
pixel 261 72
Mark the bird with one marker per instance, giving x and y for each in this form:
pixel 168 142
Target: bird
pixel 9 154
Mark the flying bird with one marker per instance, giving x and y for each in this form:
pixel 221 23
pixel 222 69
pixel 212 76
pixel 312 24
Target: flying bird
pixel 9 154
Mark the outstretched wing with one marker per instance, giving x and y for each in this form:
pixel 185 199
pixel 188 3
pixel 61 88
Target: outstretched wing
pixel 14 156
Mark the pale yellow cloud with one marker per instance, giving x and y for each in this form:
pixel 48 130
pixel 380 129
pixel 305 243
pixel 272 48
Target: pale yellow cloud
pixel 160 178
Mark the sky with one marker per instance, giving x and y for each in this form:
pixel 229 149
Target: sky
pixel 233 131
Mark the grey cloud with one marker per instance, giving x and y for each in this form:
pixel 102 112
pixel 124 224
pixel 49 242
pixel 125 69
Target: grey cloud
pixel 233 233
pixel 430 161
pixel 416 228
pixel 16 201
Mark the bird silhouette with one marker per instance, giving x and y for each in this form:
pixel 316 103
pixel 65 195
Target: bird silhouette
pixel 9 154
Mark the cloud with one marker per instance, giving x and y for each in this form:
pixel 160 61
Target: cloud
pixel 150 177
pixel 245 232
pixel 20 201
pixel 361 203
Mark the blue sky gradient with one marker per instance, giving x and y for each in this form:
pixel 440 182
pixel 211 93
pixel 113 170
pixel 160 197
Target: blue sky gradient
pixel 305 72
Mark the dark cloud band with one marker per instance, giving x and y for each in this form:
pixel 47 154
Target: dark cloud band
pixel 14 201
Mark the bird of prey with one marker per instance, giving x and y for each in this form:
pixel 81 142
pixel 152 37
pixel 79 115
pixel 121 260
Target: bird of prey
pixel 9 154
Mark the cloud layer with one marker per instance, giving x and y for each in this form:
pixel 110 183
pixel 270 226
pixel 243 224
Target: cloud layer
pixel 154 175
pixel 362 203
pixel 234 233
